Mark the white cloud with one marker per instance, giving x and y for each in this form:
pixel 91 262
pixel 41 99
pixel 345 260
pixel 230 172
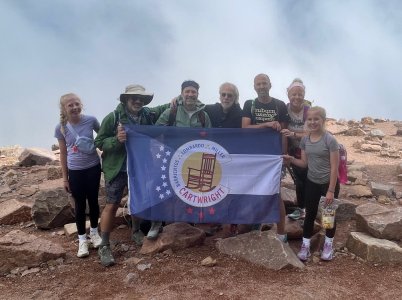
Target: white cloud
pixel 347 53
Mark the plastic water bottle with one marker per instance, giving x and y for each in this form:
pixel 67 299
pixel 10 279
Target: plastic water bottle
pixel 342 170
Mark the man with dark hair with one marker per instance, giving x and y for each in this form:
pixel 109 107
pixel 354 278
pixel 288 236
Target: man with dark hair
pixel 189 111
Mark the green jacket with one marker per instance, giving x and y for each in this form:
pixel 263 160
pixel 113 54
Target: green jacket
pixel 114 152
pixel 183 119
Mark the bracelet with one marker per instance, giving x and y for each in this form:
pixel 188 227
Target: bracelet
pixel 65 180
pixel 294 134
pixel 331 191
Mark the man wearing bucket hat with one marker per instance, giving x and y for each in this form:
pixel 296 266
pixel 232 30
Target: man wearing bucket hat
pixel 110 139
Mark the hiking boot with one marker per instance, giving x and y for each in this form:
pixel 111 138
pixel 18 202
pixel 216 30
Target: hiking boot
pixel 297 214
pixel 304 252
pixel 106 256
pixel 82 249
pixel 95 240
pixel 153 233
pixel 327 252
pixel 138 237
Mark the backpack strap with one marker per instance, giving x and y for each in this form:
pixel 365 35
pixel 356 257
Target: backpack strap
pixel 70 127
pixel 172 116
pixel 305 110
pixel 252 111
pixel 148 115
pixel 201 118
pixel 116 120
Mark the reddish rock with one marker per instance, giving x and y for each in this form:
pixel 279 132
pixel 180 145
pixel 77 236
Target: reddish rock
pixel 13 212
pixel 174 236
pixel 18 249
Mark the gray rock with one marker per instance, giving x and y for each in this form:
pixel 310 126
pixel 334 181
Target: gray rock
pixel 379 189
pixel 374 250
pixel 378 221
pixel 52 209
pixel 346 210
pixel 35 156
pixel 377 133
pixel 261 248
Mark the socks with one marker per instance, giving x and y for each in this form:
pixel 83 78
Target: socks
pixel 306 242
pixel 82 237
pixel 328 240
pixel 93 230
pixel 105 238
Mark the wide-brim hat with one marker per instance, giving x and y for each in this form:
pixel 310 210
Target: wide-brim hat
pixel 139 91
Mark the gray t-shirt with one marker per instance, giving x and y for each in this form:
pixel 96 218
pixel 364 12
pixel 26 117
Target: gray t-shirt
pixel 318 157
pixel 77 160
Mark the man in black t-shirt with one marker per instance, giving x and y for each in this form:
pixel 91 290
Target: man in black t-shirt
pixel 267 112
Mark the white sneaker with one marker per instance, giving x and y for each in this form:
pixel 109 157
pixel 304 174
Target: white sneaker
pixel 327 252
pixel 95 239
pixel 82 249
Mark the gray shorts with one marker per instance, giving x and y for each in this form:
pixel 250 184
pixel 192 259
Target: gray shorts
pixel 115 188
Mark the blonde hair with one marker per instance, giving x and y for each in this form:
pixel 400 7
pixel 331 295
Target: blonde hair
pixel 235 90
pixel 321 112
pixel 63 112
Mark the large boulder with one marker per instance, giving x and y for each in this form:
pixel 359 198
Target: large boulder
pixel 36 156
pixel 18 249
pixel 261 248
pixel 380 222
pixel 52 208
pixel 374 250
pixel 13 211
pixel 174 236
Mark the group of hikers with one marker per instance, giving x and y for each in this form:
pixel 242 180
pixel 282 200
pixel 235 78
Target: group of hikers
pixel 308 149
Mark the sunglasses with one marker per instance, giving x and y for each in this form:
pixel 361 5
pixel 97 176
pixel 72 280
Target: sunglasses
pixel 135 99
pixel 226 95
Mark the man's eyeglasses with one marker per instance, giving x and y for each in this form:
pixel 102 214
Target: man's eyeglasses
pixel 226 95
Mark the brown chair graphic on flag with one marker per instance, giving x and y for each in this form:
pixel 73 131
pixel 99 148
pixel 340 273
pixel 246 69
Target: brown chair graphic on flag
pixel 202 178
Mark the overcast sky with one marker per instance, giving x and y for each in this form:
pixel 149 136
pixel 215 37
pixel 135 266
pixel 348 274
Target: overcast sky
pixel 348 53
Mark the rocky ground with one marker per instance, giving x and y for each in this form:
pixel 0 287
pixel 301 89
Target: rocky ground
pixel 180 275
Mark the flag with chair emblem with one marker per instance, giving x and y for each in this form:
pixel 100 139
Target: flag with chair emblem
pixel 204 175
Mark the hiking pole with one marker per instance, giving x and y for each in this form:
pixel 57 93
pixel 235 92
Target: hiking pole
pixel 292 174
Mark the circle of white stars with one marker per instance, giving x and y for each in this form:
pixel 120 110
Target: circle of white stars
pixel 163 188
